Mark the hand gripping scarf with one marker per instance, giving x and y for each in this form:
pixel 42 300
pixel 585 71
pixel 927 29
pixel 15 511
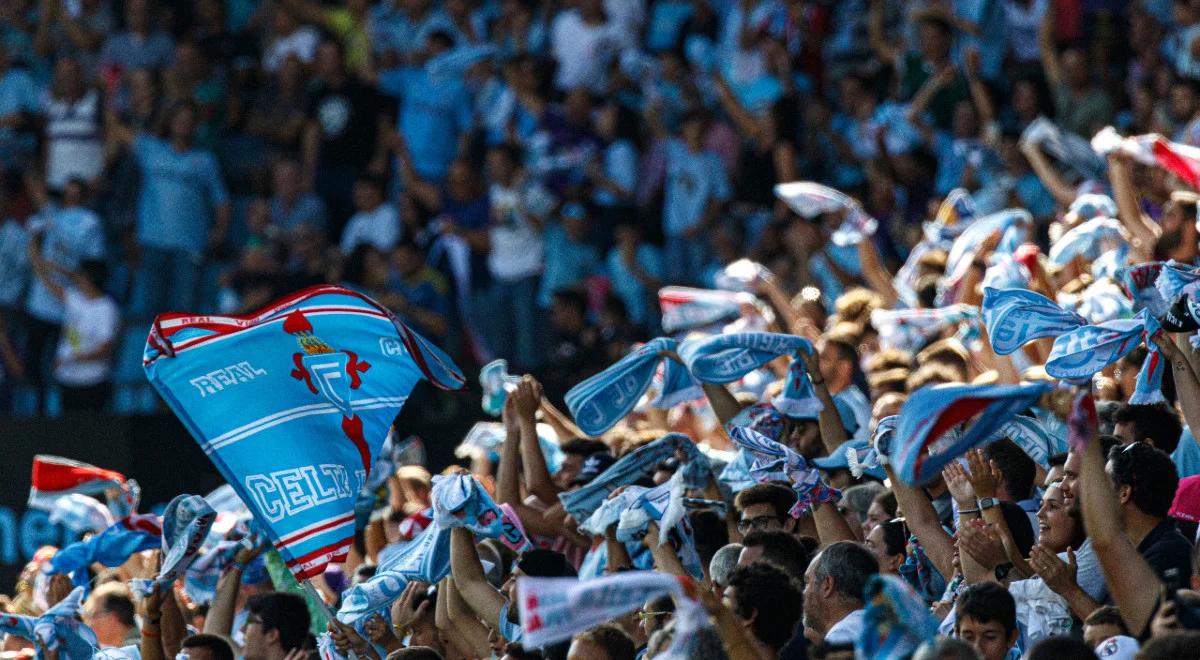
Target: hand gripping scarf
pixel 495 381
pixel 599 402
pixel 59 628
pixel 554 609
pixel 459 500
pixel 609 513
pixel 770 457
pixel 910 329
pixel 875 455
pixel 512 532
pixel 1139 282
pixel 54 477
pixel 425 558
pixel 725 358
pixel 664 505
pixel 1068 148
pixel 1086 351
pixel 581 502
pixel 1089 240
pixel 924 444
pixel 809 200
pixel 1013 225
pixel 292 404
pixel 895 620
pixel 112 547
pixel 186 522
pixel 685 308
pixel 1015 317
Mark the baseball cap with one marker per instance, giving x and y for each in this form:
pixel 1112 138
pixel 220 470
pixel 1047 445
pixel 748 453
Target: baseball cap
pixel 1186 505
pixel 839 460
pixel 593 466
pixel 1119 647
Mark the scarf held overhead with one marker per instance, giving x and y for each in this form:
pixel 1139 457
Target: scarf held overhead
pixel 292 404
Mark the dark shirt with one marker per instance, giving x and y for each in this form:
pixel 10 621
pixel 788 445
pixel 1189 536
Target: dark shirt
pixel 347 116
pixel 1165 548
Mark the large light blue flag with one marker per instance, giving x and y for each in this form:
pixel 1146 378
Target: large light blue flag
pixel 925 440
pixel 725 358
pixel 292 404
pixel 1015 317
pixel 599 402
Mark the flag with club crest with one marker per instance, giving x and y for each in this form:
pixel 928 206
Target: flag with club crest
pixel 292 404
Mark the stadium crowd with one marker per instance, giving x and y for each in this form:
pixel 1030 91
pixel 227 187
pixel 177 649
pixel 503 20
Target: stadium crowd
pixel 556 184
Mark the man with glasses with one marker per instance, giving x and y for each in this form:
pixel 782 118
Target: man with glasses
pixel 764 507
pixel 277 624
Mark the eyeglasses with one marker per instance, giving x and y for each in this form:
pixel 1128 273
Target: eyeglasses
pixel 253 620
pixel 758 522
pixel 646 616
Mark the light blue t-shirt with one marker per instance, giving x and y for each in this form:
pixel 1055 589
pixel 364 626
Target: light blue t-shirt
pixel 69 235
pixel 180 191
pixel 1187 455
pixel 509 630
pixel 434 111
pixel 19 93
pixel 566 262
pixel 621 166
pixel 991 43
pixel 14 262
pixel 633 293
pixel 693 179
pixel 666 20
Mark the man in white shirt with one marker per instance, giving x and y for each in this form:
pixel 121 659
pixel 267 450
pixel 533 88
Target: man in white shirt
pixel 376 223
pixel 583 43
pixel 833 591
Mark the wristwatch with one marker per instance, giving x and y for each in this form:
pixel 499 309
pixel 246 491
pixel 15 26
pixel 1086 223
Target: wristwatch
pixel 1003 570
pixel 988 502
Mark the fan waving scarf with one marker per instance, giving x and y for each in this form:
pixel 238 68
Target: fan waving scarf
pixel 771 457
pixel 1174 280
pixel 186 523
pixel 1015 317
pixel 59 628
pixel 292 404
pixel 112 547
pixel 1089 240
pixel 582 501
pixel 685 308
pixel 54 476
pixel 725 358
pixel 924 445
pixel 602 400
pixel 1139 280
pixel 1086 350
pixel 1013 225
pixel 910 329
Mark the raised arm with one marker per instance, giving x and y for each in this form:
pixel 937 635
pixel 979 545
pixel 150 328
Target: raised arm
pixel 876 36
pixel 470 580
pixel 526 398
pixel 1048 49
pixel 923 521
pixel 151 644
pixel 665 558
pixel 833 430
pixel 1187 387
pixel 1062 192
pixel 1144 230
pixel 1131 581
pixel 831 525
pixel 466 624
pixel 875 273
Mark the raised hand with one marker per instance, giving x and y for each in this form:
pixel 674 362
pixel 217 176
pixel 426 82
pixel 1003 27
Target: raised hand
pixel 959 485
pixel 1059 575
pixel 984 476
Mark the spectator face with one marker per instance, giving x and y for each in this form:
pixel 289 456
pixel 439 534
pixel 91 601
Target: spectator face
pixel 989 639
pixel 328 61
pixel 142 91
pixel 878 547
pixel 576 228
pixel 578 106
pixel 1074 66
pixel 258 642
pixel 933 41
pixel 1070 480
pixel 1055 524
pixel 568 470
pixel 73 193
pixel 758 518
pixel 692 132
pixel 183 124
pixel 875 516
pixel 585 650
pixel 1093 635
pixel 367 196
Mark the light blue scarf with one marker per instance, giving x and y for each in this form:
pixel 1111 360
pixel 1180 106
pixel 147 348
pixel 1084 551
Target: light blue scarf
pixel 59 628
pixel 924 442
pixel 1087 350
pixel 896 621
pixel 1139 282
pixel 582 501
pixel 1015 317
pixel 725 358
pixel 186 523
pixel 112 547
pixel 1089 240
pixel 599 402
pixel 771 458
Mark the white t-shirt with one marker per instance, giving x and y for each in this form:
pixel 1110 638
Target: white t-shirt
pixel 846 631
pixel 583 51
pixel 516 243
pixel 379 228
pixel 302 43
pixel 74 139
pixel 87 325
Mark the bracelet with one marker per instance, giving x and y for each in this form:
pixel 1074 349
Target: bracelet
pixel 147 633
pixel 962 511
